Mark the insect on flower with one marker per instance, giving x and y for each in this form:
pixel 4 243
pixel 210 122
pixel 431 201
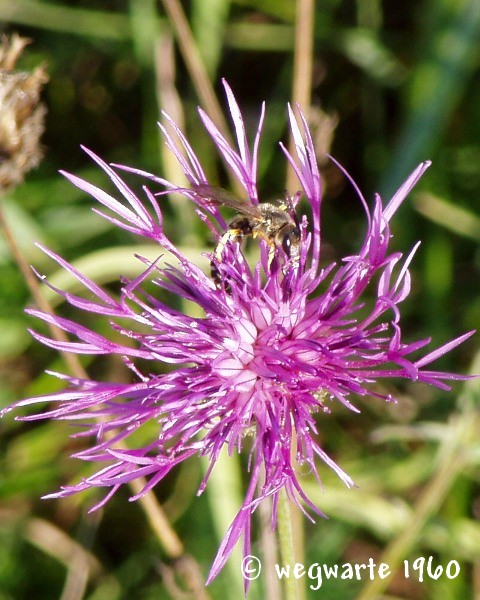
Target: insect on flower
pixel 276 224
pixel 256 370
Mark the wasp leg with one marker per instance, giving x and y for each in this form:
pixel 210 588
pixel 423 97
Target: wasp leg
pixel 271 255
pixel 232 235
pixel 238 228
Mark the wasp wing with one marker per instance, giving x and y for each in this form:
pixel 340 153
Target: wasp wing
pixel 222 197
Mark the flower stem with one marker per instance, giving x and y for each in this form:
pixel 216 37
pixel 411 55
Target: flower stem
pixel 285 539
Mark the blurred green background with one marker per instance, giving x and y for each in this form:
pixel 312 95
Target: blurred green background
pixel 401 80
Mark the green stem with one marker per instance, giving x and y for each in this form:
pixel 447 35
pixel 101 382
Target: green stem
pixel 285 539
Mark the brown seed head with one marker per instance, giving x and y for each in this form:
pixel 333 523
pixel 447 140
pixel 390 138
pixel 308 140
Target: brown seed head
pixel 21 114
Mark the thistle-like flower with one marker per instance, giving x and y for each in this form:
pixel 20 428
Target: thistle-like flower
pixel 276 346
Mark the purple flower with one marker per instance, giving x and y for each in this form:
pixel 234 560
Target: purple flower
pixel 276 347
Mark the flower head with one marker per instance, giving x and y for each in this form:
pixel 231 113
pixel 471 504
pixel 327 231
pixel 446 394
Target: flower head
pixel 279 342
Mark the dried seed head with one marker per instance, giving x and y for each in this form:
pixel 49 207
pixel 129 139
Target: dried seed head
pixel 21 114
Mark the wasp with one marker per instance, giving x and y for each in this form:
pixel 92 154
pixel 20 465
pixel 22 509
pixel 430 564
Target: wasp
pixel 276 224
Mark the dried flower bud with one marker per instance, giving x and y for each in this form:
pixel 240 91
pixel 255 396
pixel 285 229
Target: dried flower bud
pixel 21 114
